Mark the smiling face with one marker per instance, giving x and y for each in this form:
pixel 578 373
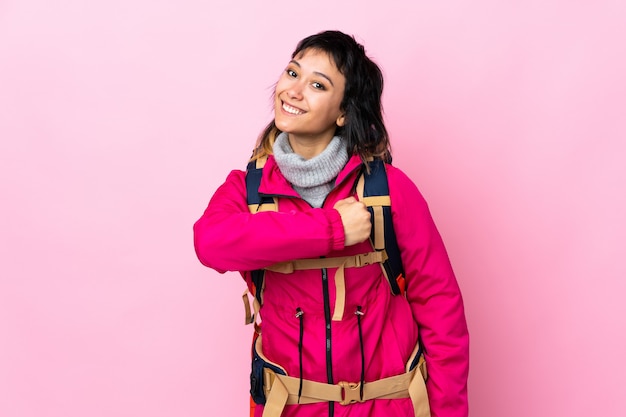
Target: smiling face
pixel 307 102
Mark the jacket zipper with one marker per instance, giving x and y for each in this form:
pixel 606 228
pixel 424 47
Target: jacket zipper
pixel 329 356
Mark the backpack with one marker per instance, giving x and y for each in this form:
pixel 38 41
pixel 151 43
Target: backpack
pixel 372 189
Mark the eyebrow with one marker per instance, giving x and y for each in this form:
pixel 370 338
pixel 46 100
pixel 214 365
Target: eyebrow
pixel 321 74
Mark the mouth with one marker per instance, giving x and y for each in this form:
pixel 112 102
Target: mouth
pixel 292 110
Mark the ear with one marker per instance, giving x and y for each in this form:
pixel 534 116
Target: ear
pixel 341 120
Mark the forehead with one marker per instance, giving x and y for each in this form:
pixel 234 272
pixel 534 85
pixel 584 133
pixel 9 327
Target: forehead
pixel 317 57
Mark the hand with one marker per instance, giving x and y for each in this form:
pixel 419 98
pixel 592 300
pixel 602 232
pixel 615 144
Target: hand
pixel 356 220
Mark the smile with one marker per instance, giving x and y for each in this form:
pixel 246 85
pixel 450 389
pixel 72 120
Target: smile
pixel 292 110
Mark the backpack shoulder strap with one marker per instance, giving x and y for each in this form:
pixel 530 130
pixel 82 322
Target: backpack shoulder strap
pixel 257 202
pixel 373 190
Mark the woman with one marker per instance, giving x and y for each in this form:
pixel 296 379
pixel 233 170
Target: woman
pixel 337 322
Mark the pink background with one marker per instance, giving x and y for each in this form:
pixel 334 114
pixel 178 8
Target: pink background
pixel 119 119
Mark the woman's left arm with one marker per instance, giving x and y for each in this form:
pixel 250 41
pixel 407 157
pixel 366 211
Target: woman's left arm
pixel 434 296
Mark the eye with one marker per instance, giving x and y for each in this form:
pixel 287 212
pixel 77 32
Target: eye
pixel 318 86
pixel 291 73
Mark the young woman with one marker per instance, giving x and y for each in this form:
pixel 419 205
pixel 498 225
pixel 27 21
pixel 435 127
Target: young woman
pixel 336 341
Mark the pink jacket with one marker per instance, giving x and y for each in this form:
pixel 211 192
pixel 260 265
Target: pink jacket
pixel 228 238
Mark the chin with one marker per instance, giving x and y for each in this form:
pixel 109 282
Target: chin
pixel 281 125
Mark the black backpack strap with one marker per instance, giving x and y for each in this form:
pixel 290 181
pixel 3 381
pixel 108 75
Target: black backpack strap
pixel 257 203
pixel 373 190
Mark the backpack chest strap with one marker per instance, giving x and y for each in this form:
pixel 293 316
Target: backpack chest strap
pixel 354 261
pixel 342 262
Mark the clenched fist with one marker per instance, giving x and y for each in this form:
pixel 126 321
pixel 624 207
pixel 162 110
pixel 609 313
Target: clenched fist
pixel 356 220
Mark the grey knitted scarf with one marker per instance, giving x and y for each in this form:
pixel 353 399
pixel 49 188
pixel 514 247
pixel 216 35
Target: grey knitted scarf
pixel 311 178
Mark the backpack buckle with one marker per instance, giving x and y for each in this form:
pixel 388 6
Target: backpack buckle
pixel 350 392
pixel 367 259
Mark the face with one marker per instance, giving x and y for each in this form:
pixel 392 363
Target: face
pixel 307 99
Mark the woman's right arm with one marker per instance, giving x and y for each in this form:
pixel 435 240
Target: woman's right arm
pixel 229 238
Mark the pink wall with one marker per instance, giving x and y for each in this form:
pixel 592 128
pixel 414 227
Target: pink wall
pixel 118 120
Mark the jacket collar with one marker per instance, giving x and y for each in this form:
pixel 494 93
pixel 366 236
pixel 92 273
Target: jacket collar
pixel 274 183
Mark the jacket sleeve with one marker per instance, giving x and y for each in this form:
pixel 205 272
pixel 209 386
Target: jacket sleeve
pixel 229 238
pixel 434 296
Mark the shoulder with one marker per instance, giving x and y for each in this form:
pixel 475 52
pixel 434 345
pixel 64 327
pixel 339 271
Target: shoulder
pixel 407 201
pixel 401 186
pixel 396 175
pixel 234 185
pixel 236 177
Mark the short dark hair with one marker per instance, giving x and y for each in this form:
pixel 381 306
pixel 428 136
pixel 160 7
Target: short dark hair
pixel 364 130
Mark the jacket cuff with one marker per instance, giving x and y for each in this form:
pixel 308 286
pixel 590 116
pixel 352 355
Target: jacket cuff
pixel 337 235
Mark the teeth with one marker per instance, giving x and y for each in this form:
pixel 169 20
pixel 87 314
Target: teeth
pixel 291 110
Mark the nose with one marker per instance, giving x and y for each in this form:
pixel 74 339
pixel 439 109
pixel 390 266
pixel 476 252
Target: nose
pixel 295 90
